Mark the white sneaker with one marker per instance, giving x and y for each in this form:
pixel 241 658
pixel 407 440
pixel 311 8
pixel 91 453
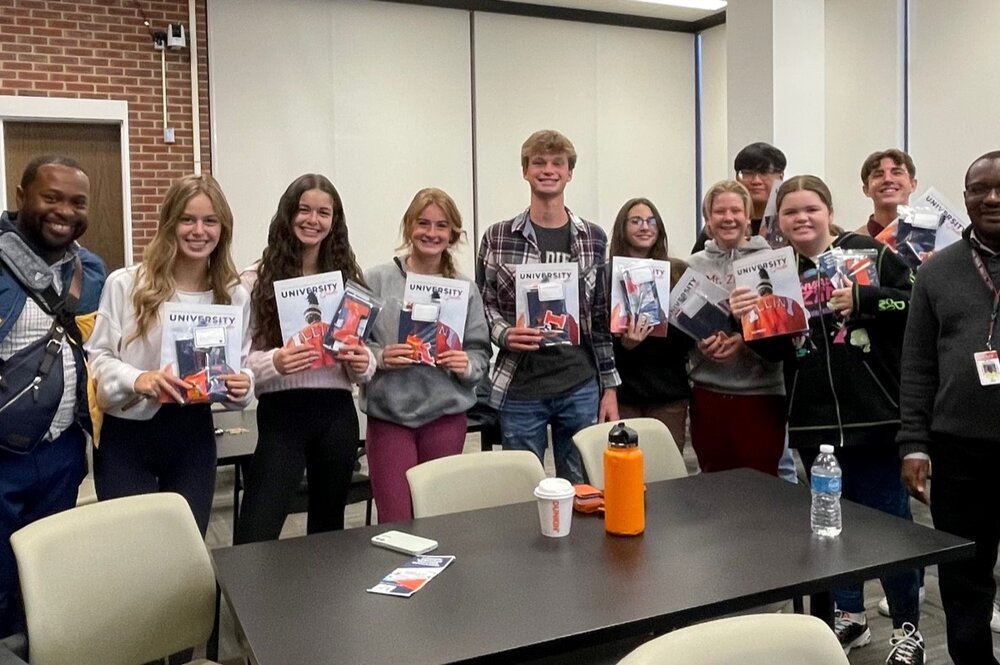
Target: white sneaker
pixel 995 620
pixel 883 606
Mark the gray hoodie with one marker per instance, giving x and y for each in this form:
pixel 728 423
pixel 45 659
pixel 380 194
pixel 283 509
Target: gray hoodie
pixel 746 373
pixel 414 396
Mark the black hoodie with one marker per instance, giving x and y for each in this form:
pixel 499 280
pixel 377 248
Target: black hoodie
pixel 842 380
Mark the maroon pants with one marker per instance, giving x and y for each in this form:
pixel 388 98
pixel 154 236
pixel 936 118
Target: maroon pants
pixel 393 449
pixel 737 431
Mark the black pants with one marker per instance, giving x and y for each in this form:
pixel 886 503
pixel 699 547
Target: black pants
pixel 963 502
pixel 309 429
pixel 174 451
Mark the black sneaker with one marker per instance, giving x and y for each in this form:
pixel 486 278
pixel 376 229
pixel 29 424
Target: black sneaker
pixel 907 646
pixel 849 631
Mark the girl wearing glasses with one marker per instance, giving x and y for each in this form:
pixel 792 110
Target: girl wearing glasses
pixel 737 397
pixel 652 369
pixel 416 411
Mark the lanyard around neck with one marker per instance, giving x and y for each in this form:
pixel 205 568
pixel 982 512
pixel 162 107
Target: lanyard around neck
pixel 988 281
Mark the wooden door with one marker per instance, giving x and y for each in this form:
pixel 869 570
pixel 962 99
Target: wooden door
pixel 97 147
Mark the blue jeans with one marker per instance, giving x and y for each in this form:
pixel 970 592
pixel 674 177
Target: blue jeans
pixel 871 478
pixel 523 424
pixel 32 486
pixel 786 465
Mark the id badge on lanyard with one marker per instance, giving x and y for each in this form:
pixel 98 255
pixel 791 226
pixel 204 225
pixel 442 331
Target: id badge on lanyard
pixel 988 362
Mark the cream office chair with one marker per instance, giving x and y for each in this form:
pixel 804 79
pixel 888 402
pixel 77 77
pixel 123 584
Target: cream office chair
pixel 756 639
pixel 117 582
pixel 661 459
pixel 473 480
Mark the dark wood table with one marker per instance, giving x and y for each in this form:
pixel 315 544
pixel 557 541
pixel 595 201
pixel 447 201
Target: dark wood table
pixel 714 544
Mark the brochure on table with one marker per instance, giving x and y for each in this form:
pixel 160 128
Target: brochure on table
pixel 412 576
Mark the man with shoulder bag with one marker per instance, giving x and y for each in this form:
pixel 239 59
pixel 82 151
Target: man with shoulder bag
pixel 46 281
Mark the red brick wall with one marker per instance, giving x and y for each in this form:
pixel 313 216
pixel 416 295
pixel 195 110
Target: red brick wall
pixel 100 49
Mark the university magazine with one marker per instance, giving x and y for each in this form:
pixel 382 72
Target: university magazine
pixel 306 306
pixel 699 307
pixel 432 319
pixel 780 310
pixel 200 344
pixel 548 298
pixel 639 288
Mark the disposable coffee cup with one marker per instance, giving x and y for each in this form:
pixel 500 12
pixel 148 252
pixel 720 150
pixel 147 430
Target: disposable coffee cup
pixel 555 506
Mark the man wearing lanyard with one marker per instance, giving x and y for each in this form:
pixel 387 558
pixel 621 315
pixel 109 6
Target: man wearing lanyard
pixel 950 406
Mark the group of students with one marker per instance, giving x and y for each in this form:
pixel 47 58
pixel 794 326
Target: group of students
pixel 747 401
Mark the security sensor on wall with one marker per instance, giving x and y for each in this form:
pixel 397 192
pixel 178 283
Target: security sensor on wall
pixel 175 36
pixel 159 41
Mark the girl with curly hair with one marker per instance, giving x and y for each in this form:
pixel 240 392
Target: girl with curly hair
pixel 306 418
pixel 146 446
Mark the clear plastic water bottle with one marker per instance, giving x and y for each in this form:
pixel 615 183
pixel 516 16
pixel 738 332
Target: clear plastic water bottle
pixel 826 479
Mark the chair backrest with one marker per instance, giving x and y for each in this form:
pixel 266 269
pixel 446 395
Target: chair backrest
pixel 756 639
pixel 473 480
pixel 116 582
pixel 661 459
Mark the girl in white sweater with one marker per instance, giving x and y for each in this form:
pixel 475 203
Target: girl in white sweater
pixel 306 418
pixel 146 446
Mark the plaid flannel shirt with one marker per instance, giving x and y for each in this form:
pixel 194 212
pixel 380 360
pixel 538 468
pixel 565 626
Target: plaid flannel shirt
pixel 508 244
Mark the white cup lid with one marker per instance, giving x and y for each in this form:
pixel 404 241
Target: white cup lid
pixel 554 488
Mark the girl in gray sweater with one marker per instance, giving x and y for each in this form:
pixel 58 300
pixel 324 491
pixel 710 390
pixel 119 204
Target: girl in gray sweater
pixel 416 411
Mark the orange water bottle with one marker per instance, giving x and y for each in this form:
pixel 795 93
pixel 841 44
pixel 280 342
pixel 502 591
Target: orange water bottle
pixel 624 491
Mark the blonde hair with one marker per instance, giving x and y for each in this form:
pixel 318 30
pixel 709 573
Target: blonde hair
pixel 422 199
pixel 726 187
pixel 155 282
pixel 547 141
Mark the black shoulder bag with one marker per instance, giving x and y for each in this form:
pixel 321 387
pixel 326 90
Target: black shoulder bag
pixel 31 380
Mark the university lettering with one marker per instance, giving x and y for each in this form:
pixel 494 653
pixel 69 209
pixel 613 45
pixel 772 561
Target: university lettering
pixel 559 275
pixel 318 288
pixel 204 319
pixel 753 269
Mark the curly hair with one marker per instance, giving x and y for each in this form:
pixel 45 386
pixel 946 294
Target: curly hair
pixel 155 282
pixel 282 258
pixel 422 199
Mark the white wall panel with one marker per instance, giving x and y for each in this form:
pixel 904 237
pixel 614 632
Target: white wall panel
pixel 954 89
pixel 864 92
pixel 625 97
pixel 377 96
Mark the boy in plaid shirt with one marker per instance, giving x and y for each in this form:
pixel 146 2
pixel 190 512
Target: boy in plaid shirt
pixel 567 387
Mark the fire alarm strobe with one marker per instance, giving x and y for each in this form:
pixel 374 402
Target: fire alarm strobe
pixel 175 36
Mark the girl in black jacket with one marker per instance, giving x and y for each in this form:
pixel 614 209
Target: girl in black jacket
pixel 842 381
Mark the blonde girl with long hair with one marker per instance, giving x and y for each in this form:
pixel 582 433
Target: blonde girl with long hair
pixel 146 446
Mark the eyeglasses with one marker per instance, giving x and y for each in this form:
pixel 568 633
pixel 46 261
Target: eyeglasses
pixel 745 174
pixel 981 190
pixel 636 222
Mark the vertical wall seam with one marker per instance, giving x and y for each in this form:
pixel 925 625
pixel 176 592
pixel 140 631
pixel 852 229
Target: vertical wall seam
pixel 698 137
pixel 475 152
pixel 905 73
